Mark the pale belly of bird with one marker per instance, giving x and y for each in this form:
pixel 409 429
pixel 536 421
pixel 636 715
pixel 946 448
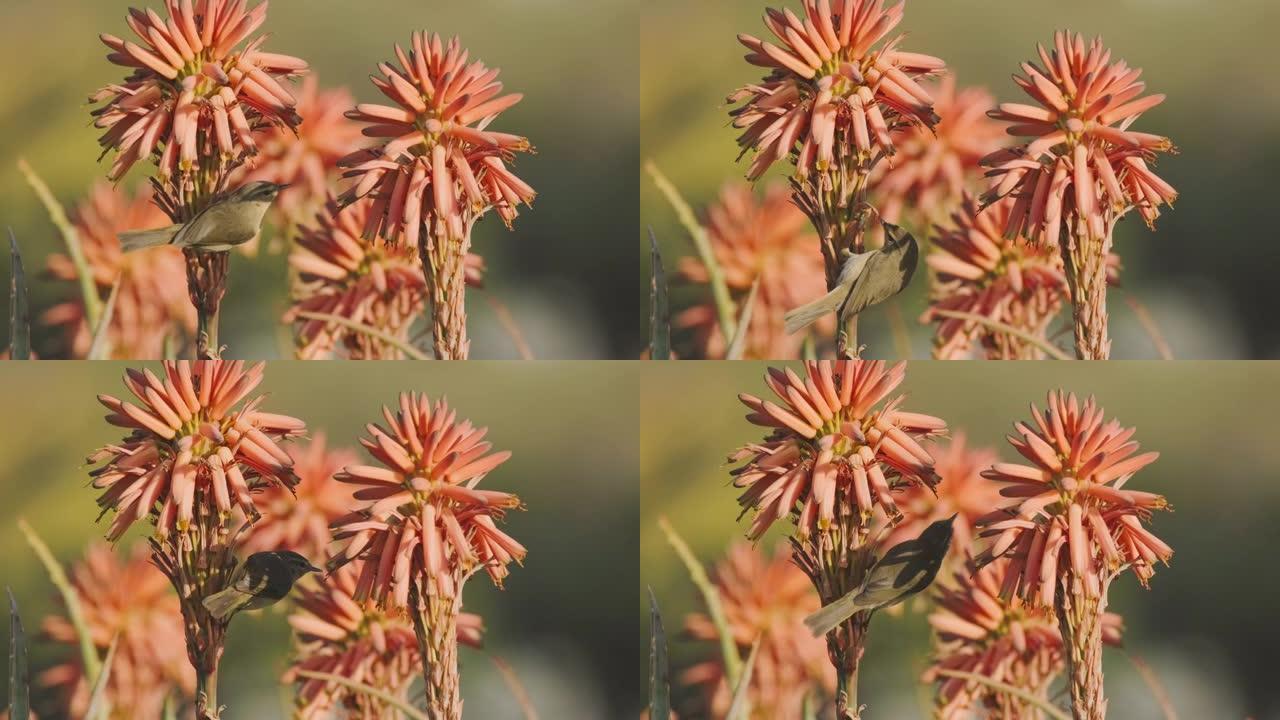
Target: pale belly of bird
pixel 223 227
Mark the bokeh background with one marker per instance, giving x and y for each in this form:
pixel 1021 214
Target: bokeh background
pixel 564 620
pixel 1207 625
pixel 1205 273
pixel 563 270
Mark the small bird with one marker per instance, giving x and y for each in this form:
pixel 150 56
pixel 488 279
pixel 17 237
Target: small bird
pixel 866 279
pixel 230 220
pixel 264 579
pixel 905 570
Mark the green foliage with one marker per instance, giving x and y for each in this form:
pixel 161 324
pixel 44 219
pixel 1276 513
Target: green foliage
pixel 659 667
pixel 19 673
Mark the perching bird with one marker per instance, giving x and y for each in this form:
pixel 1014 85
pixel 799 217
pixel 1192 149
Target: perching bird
pixel 866 279
pixel 905 570
pixel 230 220
pixel 264 579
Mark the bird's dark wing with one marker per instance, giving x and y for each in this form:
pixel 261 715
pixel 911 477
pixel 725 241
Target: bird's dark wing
pixel 253 577
pixel 886 274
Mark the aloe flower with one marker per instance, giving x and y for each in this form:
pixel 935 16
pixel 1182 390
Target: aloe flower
pixel 979 630
pixel 1011 281
pixel 151 303
pixel 305 158
pixel 840 450
pixel 1081 169
pixel 437 168
pixel 196 98
pixel 336 634
pixel 298 518
pixel 196 455
pixel 423 528
pixel 767 598
pixel 374 283
pixel 766 239
pixel 123 598
pixel 835 93
pixel 934 167
pixel 961 491
pixel 1074 526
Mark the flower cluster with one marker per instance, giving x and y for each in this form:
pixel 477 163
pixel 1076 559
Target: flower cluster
pixel 766 239
pixel 192 97
pixel 151 305
pixel 370 282
pixel 934 167
pixel 193 448
pixel 1083 161
pixel 421 523
pixel 298 518
pixel 835 448
pixel 961 491
pixel 980 630
pixel 125 600
pixel 437 161
pixel 1074 522
pixel 337 634
pixel 767 598
pixel 833 87
pixel 306 159
pixel 977 270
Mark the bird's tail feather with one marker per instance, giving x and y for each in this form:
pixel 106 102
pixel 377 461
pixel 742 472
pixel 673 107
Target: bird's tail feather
pixel 224 604
pixel 138 239
pixel 829 617
pixel 806 315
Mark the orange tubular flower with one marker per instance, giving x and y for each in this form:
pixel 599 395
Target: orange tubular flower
pixel 306 159
pixel 979 630
pixel 830 89
pixel 192 96
pixel 765 598
pixel 962 491
pixel 151 303
pixel 935 166
pixel 767 239
pixel 193 450
pixel 832 451
pixel 1010 281
pixel 123 598
pixel 336 634
pixel 1074 527
pixel 298 519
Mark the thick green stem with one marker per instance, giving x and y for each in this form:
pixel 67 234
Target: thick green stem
pixel 207 329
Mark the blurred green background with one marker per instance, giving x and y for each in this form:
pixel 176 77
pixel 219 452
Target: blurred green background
pixel 564 620
pixel 1208 624
pixel 1206 274
pixel 562 272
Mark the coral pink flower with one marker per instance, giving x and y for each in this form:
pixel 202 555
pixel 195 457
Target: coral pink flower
pixel 837 446
pixel 337 634
pixel 935 166
pixel 767 239
pixel 1083 159
pixel 151 304
pixel 420 516
pixel 306 159
pixel 962 491
pixel 193 449
pixel 977 270
pixel 371 282
pixel 298 519
pixel 979 630
pixel 125 599
pixel 192 96
pixel 766 598
pixel 832 87
pixel 439 162
pixel 1073 518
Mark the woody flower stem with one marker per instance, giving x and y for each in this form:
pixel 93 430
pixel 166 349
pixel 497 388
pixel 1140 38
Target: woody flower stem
pixel 443 262
pixel 1085 258
pixel 207 283
pixel 435 621
pixel 1080 621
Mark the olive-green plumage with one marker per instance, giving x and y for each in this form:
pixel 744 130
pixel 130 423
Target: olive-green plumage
pixel 264 579
pixel 905 570
pixel 230 220
pixel 866 279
